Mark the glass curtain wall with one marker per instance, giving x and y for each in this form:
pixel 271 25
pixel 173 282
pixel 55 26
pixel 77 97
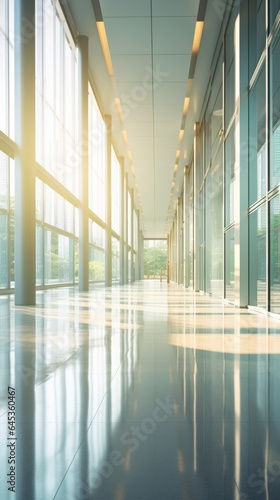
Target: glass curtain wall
pixel 189 228
pixel 264 156
pixel 7 43
pixel 155 259
pixel 274 177
pixel 135 242
pixel 57 158
pixel 56 96
pixel 96 193
pixel 97 158
pixel 7 195
pixel 56 147
pixel 7 222
pixel 129 234
pixel 233 233
pixel 96 252
pixel 116 214
pixel 231 92
pixel 213 186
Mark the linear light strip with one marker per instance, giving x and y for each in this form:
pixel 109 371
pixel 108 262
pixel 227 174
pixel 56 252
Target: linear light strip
pixel 105 47
pixel 197 36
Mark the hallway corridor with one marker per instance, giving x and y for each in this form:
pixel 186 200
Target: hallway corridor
pixel 141 392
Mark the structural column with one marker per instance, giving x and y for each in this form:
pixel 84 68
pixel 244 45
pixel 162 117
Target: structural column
pixel 197 210
pixel 136 231
pixel 25 174
pixel 131 215
pixel 122 228
pixel 83 155
pixel 185 246
pixel 139 247
pixel 108 203
pixel 126 229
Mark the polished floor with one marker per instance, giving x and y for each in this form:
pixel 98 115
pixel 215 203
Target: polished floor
pixel 142 392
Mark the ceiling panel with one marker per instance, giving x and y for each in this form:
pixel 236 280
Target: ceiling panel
pixel 130 35
pixel 166 147
pixel 150 78
pixel 146 166
pixel 175 8
pixel 166 129
pixel 173 35
pixel 133 95
pixel 169 111
pixel 140 113
pixel 133 68
pixel 169 93
pixel 125 8
pixel 173 68
pixel 141 130
pixel 141 150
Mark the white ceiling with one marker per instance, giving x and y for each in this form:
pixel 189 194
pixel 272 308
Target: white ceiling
pixel 152 118
pixel 145 35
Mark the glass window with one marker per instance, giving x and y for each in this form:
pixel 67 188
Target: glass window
pixel 58 258
pixel 39 255
pixel 96 235
pixel 39 199
pixel 96 252
pixel 257 260
pixel 229 264
pixel 214 226
pixel 56 103
pixel 58 212
pixel 7 207
pixel 129 265
pixel 3 180
pixel 48 53
pixel 275 113
pixel 257 33
pixel 230 69
pixel 274 255
pixel 155 258
pixel 129 215
pixel 3 84
pixel 11 89
pixel 76 261
pixel 274 8
pixel 3 15
pixel 135 231
pixel 229 177
pixel 116 193
pixel 189 225
pixel 7 69
pixel 115 259
pixel 257 139
pixel 3 250
pixel 12 223
pixel 59 39
pixel 97 159
pixel 96 264
pixel 69 87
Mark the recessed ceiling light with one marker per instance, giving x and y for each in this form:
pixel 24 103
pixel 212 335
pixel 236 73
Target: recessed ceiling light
pixel 125 136
pixel 181 135
pixel 186 105
pixel 105 46
pixel 197 36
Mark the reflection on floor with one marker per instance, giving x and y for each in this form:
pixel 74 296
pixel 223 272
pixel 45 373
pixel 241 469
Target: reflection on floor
pixel 143 392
